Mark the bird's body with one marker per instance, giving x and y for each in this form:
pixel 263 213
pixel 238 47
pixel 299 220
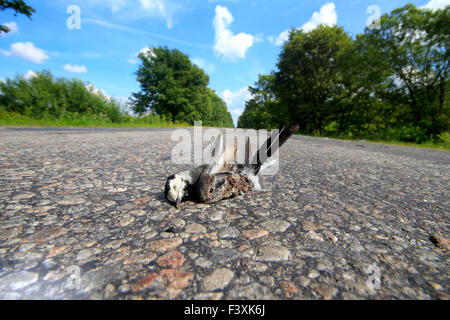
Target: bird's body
pixel 198 184
pixel 212 189
pixel 225 177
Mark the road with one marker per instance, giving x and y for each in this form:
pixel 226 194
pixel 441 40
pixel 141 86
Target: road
pixel 83 216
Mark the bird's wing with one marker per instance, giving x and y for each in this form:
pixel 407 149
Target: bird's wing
pixel 272 145
pixel 226 160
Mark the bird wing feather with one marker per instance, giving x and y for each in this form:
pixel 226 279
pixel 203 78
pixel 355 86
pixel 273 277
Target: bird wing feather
pixel 226 160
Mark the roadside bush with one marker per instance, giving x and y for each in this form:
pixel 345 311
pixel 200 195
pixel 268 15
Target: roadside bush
pixel 45 97
pixel 444 137
pixel 407 134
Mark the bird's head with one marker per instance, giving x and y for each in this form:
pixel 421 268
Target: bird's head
pixel 176 189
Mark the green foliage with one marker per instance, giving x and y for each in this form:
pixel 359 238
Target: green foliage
pixel 332 128
pixel 407 134
pixel 312 68
pixel 219 115
pixel 262 111
pixel 173 87
pixel 19 7
pixel 390 83
pixel 444 137
pixel 45 97
pixel 413 44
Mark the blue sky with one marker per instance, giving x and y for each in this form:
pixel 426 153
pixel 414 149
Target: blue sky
pixel 232 40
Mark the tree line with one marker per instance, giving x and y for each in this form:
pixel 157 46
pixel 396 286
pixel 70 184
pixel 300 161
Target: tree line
pixel 173 91
pixel 389 83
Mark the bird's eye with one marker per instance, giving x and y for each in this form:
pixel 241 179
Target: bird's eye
pixel 211 191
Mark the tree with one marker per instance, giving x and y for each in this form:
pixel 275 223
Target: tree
pixel 219 115
pixel 414 46
pixel 19 7
pixel 173 87
pixel 262 111
pixel 311 69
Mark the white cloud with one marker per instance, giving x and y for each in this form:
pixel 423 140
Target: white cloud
pixel 228 45
pixel 146 51
pixel 13 29
pixel 98 92
pixel 26 51
pixel 237 112
pixel 327 16
pixel 75 68
pixel 30 74
pixel 282 38
pixel 205 65
pixel 159 8
pixel 236 101
pixel 437 4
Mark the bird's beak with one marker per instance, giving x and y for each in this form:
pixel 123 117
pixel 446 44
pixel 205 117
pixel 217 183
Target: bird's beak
pixel 177 205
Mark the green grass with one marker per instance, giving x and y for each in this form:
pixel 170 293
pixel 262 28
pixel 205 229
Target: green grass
pixel 427 144
pixel 15 119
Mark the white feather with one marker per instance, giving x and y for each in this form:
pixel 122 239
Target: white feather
pixel 267 165
pixel 255 183
pixel 226 159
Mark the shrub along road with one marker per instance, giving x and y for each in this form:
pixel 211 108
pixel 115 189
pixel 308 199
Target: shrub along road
pixel 83 215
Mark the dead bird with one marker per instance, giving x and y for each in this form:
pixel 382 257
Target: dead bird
pixel 225 177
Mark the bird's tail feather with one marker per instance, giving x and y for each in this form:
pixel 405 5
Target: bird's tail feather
pixel 273 143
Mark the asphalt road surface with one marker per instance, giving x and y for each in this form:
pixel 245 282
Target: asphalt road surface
pixel 83 216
